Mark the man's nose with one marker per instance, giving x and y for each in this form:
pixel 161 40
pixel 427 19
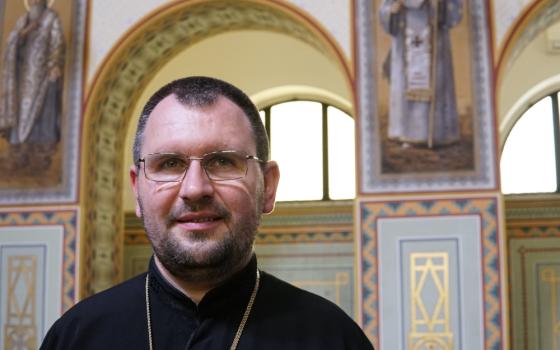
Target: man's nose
pixel 196 184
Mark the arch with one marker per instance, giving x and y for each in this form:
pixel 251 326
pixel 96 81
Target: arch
pixel 531 22
pixel 536 17
pixel 132 63
pixel 532 96
pixel 290 92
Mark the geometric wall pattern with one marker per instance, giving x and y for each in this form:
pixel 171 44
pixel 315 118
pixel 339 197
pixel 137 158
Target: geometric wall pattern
pixel 20 328
pixel 67 220
pixel 427 251
pixel 430 324
pixel 534 260
pixel 38 273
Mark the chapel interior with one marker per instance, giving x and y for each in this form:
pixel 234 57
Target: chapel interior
pixel 286 51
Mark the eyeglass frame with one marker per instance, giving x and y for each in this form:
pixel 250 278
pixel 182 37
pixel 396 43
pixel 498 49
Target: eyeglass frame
pixel 191 158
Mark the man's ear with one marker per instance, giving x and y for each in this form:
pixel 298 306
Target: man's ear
pixel 134 182
pixel 271 178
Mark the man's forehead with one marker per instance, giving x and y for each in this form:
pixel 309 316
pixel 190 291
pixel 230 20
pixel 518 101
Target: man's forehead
pixel 194 121
pixel 221 108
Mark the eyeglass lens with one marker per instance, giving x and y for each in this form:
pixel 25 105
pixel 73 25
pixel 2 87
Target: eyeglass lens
pixel 218 166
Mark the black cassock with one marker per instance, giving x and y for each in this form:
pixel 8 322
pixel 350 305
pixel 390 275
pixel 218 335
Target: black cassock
pixel 283 318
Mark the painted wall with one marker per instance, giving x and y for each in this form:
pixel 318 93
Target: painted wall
pixel 57 224
pixel 106 29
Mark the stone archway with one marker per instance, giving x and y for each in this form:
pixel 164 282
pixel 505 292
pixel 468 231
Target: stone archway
pixel 134 61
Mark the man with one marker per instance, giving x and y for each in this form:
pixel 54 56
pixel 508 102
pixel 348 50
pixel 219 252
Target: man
pixel 422 107
pixel 202 179
pixel 31 103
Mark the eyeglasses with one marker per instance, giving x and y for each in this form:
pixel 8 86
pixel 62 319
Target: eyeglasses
pixel 219 166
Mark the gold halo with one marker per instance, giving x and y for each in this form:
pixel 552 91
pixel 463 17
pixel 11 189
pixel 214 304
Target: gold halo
pixel 26 4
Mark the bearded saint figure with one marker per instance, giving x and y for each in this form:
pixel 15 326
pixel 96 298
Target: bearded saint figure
pixel 31 101
pixel 422 109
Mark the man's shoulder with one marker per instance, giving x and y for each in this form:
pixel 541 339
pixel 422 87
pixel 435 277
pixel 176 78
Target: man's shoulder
pixel 100 319
pixel 314 320
pixel 122 297
pixel 289 297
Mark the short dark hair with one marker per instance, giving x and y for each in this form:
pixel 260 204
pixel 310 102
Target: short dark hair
pixel 201 91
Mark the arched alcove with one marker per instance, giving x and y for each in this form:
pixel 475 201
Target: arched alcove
pixel 525 73
pixel 132 63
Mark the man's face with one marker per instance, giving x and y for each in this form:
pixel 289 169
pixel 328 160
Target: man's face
pixel 200 227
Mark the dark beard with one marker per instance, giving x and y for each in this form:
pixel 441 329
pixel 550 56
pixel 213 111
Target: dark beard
pixel 221 262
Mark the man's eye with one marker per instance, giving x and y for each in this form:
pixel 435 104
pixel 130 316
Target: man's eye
pixel 171 163
pixel 220 162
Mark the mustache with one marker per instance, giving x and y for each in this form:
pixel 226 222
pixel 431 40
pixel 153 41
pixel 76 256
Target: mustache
pixel 193 207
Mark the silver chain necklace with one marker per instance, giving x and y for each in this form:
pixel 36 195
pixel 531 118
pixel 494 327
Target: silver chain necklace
pixel 239 329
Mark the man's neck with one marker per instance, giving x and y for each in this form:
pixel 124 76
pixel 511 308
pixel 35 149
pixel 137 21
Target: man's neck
pixel 196 290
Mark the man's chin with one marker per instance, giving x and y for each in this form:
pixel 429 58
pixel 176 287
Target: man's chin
pixel 197 266
pixel 199 253
pixel 205 259
pixel 201 245
pixel 189 237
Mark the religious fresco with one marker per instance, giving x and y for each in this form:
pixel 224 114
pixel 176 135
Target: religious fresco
pixel 425 104
pixel 424 71
pixel 40 84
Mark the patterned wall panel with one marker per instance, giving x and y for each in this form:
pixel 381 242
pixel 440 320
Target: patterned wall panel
pixel 431 274
pixel 534 261
pixel 430 324
pixel 21 293
pixel 535 278
pixel 38 273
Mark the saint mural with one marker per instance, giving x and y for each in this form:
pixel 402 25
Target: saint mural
pixel 31 100
pixel 423 107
